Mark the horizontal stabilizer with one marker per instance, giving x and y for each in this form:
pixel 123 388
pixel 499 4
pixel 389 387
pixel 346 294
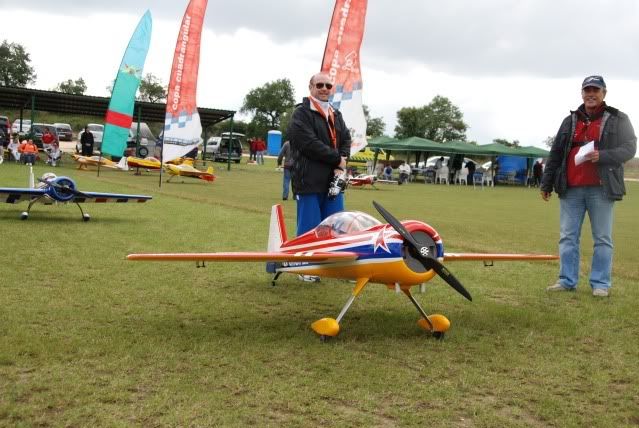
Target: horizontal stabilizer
pixel 308 256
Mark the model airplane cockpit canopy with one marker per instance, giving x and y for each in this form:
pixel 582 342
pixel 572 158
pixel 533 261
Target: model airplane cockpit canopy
pixel 344 223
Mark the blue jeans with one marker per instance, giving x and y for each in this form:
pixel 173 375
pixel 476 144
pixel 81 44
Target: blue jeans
pixel 286 183
pixel 312 208
pixel 259 157
pixel 28 158
pixel 574 205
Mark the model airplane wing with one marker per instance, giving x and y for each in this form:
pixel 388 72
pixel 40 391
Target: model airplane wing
pixel 453 257
pixel 307 256
pixel 97 197
pixel 14 195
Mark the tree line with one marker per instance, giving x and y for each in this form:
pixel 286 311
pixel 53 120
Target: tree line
pixel 269 106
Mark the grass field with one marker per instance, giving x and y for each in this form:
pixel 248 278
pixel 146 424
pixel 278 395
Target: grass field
pixel 90 339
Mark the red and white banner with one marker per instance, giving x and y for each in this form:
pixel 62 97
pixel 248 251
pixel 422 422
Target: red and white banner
pixel 341 62
pixel 182 127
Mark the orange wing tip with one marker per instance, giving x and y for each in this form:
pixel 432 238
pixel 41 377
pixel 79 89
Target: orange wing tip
pixel 441 324
pixel 326 327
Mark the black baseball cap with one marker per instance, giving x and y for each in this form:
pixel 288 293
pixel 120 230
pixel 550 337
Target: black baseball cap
pixel 596 81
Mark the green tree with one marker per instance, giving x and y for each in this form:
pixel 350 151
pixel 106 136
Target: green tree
pixel 410 122
pixel 505 142
pixel 151 89
pixel 14 66
pixel 75 87
pixel 375 126
pixel 285 119
pixel 549 140
pixel 268 103
pixel 225 126
pixel 440 120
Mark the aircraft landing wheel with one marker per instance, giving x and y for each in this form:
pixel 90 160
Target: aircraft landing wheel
pixel 324 338
pixel 24 215
pixel 86 217
pixel 439 335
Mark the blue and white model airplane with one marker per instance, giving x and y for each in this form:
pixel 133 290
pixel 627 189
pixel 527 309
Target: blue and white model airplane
pixel 51 190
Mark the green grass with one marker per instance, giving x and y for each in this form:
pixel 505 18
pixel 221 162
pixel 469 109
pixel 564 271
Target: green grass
pixel 89 339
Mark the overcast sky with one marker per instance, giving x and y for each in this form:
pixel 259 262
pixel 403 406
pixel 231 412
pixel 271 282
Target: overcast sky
pixel 514 68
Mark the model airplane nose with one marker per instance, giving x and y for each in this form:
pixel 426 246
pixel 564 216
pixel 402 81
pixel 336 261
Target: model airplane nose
pixel 421 253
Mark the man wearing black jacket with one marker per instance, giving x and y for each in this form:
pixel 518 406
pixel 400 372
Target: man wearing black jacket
pixel 320 144
pixel 86 142
pixel 585 168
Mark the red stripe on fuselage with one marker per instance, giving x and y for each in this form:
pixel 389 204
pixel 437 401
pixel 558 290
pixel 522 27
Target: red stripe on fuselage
pixel 118 119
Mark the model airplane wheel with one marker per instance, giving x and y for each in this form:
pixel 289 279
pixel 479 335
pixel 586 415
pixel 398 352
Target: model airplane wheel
pixel 24 215
pixel 86 217
pixel 324 338
pixel 439 335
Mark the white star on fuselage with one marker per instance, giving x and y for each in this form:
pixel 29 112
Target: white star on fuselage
pixel 380 240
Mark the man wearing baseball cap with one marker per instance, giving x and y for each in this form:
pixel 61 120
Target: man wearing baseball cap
pixel 588 178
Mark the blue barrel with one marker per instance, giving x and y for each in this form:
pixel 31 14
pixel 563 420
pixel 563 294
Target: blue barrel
pixel 273 143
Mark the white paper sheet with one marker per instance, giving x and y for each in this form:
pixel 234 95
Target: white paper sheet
pixel 586 149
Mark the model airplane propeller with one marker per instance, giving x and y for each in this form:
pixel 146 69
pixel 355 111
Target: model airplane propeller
pixel 52 190
pixel 354 245
pixel 422 252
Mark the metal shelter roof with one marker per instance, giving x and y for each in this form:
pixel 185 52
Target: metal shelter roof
pixel 58 102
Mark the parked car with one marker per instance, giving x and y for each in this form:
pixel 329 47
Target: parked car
pixel 147 139
pixel 97 130
pixel 37 131
pixel 26 126
pixel 212 146
pixel 217 148
pixel 65 133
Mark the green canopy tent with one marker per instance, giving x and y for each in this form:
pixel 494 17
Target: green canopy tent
pixel 529 152
pixel 382 142
pixel 534 152
pixel 422 145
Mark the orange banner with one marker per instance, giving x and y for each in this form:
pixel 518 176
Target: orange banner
pixel 182 127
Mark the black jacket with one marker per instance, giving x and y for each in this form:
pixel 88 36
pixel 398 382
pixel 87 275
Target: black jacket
pixel 617 144
pixel 312 152
pixel 87 139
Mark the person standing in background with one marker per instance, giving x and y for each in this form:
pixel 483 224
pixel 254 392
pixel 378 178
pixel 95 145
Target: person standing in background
pixel 285 161
pixel 590 184
pixel 86 142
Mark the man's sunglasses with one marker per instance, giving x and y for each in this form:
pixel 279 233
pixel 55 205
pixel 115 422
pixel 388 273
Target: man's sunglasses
pixel 329 86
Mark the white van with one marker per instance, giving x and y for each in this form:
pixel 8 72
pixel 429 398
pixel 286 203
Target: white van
pixel 217 148
pixel 26 126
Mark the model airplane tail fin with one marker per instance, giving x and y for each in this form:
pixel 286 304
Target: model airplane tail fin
pixel 277 229
pixel 276 235
pixel 123 164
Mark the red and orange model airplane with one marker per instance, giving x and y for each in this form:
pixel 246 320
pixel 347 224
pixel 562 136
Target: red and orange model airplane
pixel 362 180
pixel 354 245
